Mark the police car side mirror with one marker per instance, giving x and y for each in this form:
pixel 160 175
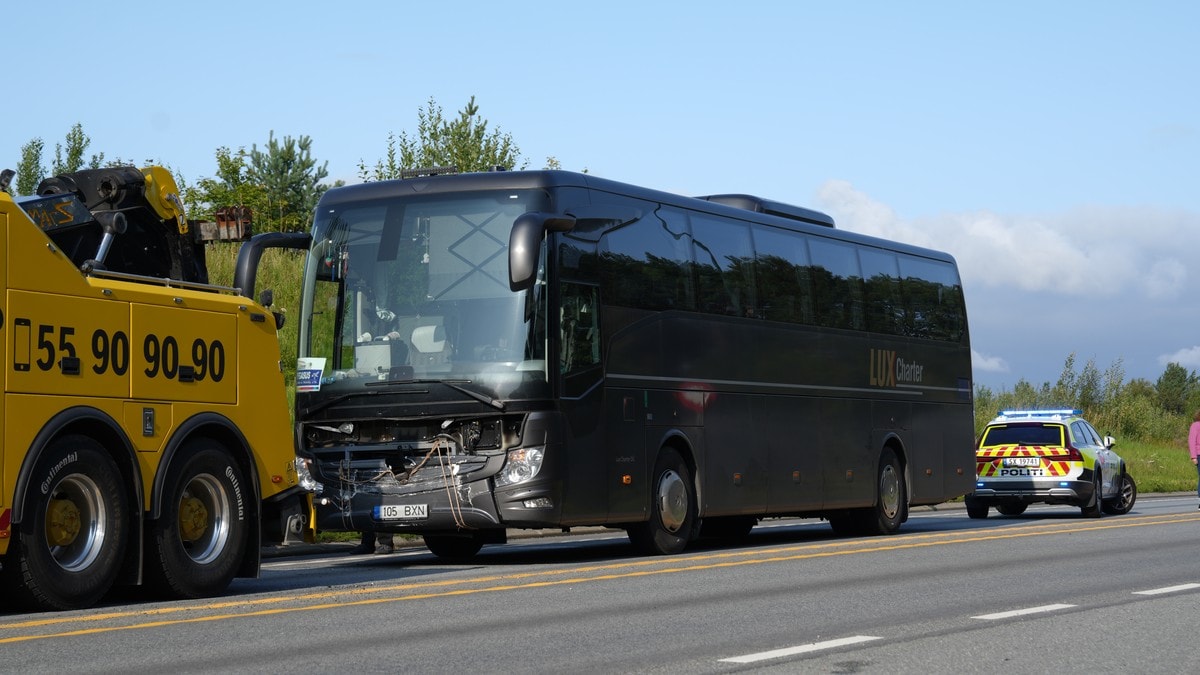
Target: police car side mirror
pixel 1109 441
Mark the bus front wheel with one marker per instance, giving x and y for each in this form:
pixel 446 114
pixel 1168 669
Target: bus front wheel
pixel 198 541
pixel 73 533
pixel 672 508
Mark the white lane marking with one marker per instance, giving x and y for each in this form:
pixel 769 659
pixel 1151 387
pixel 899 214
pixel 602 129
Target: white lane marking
pixel 1022 612
pixel 1168 589
pixel 800 649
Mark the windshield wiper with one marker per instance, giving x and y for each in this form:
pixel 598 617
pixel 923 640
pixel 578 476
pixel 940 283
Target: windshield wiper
pixel 349 395
pixel 453 384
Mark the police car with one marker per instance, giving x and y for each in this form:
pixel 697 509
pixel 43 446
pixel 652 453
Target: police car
pixel 1048 456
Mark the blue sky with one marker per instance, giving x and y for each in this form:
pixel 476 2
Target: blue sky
pixel 1051 147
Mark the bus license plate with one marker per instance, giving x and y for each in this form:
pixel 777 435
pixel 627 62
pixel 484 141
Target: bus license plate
pixel 1023 461
pixel 402 511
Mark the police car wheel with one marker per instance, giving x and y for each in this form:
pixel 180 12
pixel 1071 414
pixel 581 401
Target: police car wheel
pixel 1126 496
pixel 1092 508
pixel 1011 508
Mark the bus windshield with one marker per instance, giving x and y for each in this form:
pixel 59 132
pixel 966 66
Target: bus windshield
pixel 417 288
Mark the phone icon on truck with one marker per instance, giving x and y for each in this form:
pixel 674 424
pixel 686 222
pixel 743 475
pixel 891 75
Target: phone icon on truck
pixel 22 334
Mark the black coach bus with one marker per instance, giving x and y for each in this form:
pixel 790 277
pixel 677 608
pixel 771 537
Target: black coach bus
pixel 537 349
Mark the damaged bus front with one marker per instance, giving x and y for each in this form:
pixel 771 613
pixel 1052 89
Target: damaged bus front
pixel 423 399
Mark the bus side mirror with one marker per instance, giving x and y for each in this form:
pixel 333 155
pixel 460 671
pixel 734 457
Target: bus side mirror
pixel 525 242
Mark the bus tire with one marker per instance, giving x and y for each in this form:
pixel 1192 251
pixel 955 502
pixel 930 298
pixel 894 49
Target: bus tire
pixel 195 546
pixel 453 546
pixel 976 509
pixel 673 508
pixel 74 530
pixel 891 498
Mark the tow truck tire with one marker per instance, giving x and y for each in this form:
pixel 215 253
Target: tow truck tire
pixel 74 529
pixel 1092 509
pixel 453 546
pixel 1126 496
pixel 195 546
pixel 673 508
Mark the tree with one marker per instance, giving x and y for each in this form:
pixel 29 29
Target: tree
pixel 280 185
pixel 290 180
pixel 30 171
pixel 70 158
pixel 464 143
pixel 231 187
pixel 1175 388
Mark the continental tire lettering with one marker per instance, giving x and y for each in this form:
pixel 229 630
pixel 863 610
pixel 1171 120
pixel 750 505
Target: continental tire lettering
pixel 71 458
pixel 237 491
pixel 162 358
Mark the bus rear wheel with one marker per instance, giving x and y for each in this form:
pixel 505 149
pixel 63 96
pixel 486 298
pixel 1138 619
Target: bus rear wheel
pixel 672 508
pixel 198 541
pixel 891 503
pixel 74 529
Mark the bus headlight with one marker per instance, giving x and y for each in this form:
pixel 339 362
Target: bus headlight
pixel 305 478
pixel 522 464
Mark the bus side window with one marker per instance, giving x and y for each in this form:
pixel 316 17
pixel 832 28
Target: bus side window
pixel 579 327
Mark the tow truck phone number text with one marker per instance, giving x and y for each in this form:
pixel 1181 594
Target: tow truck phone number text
pixel 111 352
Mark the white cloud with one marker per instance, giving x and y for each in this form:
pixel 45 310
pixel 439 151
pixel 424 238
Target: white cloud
pixel 989 364
pixel 1085 252
pixel 1165 279
pixel 1188 357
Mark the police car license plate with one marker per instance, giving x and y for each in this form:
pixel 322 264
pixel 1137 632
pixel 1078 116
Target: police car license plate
pixel 401 511
pixel 1023 461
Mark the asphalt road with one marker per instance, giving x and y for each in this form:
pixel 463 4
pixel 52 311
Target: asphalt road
pixel 1045 591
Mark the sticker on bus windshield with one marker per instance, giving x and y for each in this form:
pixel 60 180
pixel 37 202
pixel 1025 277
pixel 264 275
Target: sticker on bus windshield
pixel 308 374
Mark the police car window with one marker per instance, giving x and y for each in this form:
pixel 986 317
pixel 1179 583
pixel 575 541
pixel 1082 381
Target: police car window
pixel 1024 434
pixel 1092 430
pixel 1079 433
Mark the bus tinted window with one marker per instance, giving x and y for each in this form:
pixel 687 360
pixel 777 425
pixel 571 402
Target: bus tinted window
pixel 837 284
pixel 934 296
pixel 781 269
pixel 725 277
pixel 646 264
pixel 884 308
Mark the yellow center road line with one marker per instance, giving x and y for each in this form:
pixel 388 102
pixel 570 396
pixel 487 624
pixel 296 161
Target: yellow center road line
pixel 547 578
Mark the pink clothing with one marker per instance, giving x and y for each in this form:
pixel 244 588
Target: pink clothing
pixel 1194 440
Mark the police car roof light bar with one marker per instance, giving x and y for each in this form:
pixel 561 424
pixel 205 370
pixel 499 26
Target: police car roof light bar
pixel 1039 413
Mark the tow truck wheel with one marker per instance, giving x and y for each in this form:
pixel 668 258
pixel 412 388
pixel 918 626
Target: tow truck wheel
pixel 1092 509
pixel 673 509
pixel 195 546
pixel 74 528
pixel 1125 498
